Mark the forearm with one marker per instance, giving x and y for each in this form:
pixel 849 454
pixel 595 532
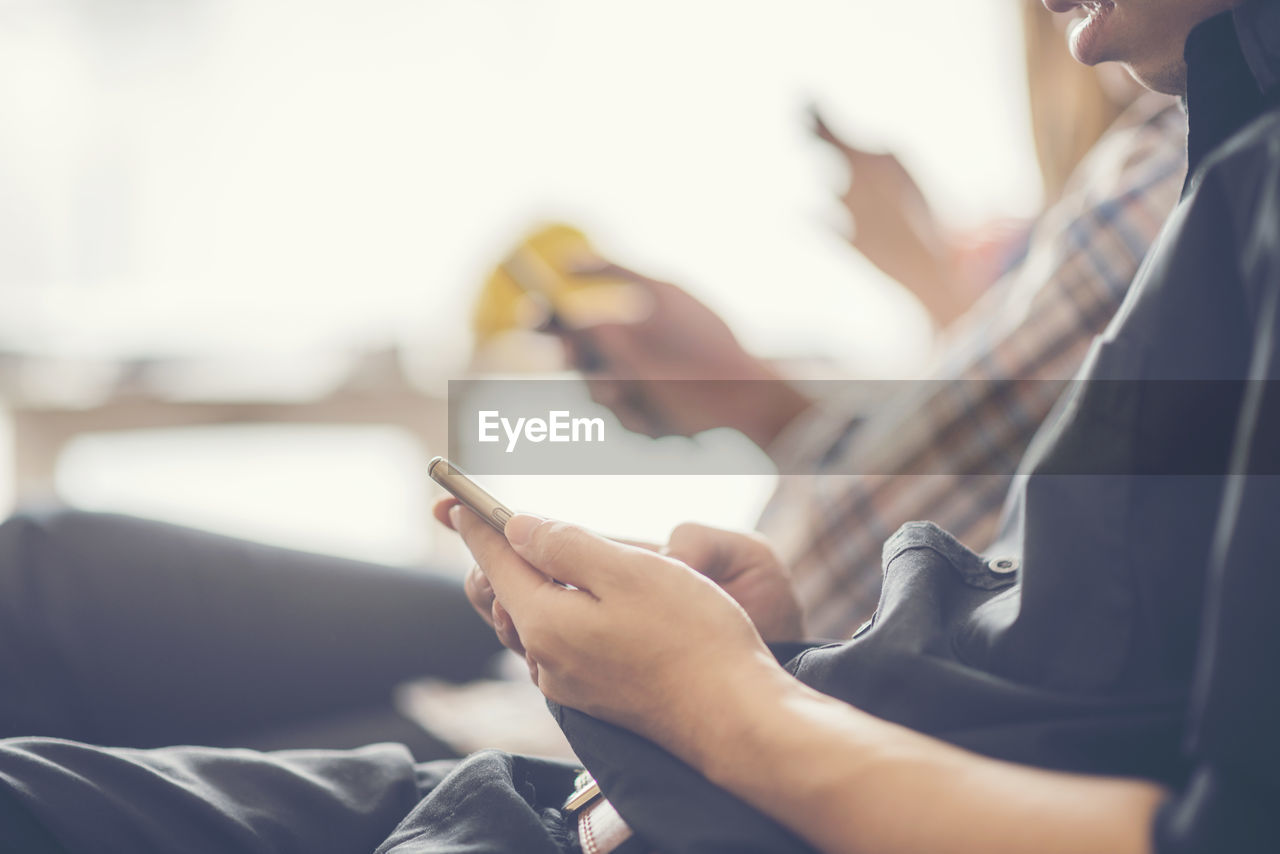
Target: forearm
pixel 848 782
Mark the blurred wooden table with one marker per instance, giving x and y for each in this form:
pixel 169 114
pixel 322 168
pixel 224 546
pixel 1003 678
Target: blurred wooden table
pixel 377 392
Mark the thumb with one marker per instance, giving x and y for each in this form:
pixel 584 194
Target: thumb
pixel 719 554
pixel 696 546
pixel 570 554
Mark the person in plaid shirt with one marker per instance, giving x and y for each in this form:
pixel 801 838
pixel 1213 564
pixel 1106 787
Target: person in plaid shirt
pixel 944 447
pixel 941 448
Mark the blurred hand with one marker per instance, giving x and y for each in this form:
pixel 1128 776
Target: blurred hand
pixel 895 229
pixel 679 370
pixel 639 639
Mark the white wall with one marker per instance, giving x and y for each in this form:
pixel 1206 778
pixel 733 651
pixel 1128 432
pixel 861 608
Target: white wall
pixel 282 176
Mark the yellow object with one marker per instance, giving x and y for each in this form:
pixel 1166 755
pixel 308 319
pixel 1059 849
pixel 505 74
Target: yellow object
pixel 532 281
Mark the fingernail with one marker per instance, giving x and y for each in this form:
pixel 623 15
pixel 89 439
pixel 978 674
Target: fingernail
pixel 520 527
pixel 455 515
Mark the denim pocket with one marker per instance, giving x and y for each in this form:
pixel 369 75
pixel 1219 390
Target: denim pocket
pixel 932 583
pixel 972 568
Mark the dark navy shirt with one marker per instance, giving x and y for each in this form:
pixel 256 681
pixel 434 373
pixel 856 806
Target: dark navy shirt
pixel 1124 623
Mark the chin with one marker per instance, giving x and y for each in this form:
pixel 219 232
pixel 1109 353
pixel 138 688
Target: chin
pixel 1171 79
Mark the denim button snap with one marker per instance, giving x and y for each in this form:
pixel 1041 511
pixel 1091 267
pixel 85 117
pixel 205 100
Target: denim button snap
pixel 1002 565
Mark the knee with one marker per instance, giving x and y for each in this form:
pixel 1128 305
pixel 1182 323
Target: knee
pixel 30 537
pixel 22 536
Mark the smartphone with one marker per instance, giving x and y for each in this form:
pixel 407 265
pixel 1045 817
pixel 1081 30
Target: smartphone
pixel 466 490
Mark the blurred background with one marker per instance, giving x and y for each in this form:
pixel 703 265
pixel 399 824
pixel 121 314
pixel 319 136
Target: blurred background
pixel 240 239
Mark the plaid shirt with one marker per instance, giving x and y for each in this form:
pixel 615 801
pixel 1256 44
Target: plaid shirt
pixel 975 414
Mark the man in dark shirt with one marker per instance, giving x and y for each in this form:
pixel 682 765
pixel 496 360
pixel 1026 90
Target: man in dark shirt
pixel 1103 680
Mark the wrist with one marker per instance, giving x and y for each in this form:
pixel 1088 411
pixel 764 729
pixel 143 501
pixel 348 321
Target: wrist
pixel 946 290
pixel 740 712
pixel 782 405
pixel 792 730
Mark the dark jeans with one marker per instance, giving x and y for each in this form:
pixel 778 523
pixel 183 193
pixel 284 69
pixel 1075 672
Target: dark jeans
pixel 125 632
pixel 61 797
pixel 118 634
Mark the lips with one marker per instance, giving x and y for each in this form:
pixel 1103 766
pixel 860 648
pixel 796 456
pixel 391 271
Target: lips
pixel 1087 34
pixel 1087 6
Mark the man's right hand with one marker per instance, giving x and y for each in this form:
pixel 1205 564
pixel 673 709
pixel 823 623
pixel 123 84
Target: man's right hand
pixel 678 370
pixel 742 564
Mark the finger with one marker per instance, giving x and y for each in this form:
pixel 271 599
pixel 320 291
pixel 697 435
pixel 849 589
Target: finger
pixel 506 628
pixel 605 390
pixel 625 345
pixel 628 350
pixel 602 269
pixel 696 546
pixel 581 351
pixel 627 401
pixel 572 554
pixel 640 544
pixel 717 553
pixel 823 131
pixel 637 299
pixel 604 349
pixel 441 510
pixel 479 593
pixel 513 580
pixel 639 418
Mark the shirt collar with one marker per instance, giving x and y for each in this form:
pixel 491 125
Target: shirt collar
pixel 1257 25
pixel 1233 66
